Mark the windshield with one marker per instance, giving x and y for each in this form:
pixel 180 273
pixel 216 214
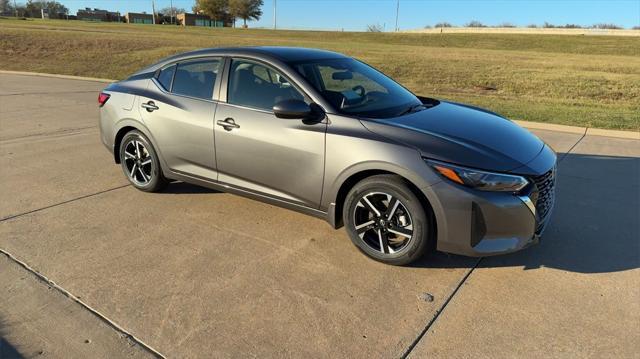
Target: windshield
pixel 357 89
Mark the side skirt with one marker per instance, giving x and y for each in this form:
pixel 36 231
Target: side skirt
pixel 223 187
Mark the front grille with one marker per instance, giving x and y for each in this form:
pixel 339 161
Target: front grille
pixel 545 196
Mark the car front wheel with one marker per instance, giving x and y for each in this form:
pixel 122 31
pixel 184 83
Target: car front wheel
pixel 386 220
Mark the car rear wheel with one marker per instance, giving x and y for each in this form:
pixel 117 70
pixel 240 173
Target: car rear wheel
pixel 386 220
pixel 140 163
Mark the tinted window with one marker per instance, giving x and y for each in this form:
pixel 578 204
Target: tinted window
pixel 357 89
pixel 255 85
pixel 196 78
pixel 165 77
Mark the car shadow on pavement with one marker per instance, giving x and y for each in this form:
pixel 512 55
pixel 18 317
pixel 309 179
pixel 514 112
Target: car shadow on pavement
pixel 7 351
pixel 595 227
pixel 178 187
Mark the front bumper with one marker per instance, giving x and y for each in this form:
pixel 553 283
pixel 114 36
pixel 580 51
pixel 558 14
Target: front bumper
pixel 478 223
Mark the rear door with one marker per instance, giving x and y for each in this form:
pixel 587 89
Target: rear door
pixel 178 109
pixel 256 150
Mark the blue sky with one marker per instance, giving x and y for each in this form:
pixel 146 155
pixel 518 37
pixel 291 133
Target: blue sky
pixel 356 14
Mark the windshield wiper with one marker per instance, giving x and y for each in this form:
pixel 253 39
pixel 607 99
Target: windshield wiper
pixel 411 109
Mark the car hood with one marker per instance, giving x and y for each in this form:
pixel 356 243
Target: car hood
pixel 464 135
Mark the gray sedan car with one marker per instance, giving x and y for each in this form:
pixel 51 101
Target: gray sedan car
pixel 327 135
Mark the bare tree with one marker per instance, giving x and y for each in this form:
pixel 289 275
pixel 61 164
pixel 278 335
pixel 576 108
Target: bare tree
pixel 6 8
pixel 374 28
pixel 475 23
pixel 443 24
pixel 169 11
pixel 607 26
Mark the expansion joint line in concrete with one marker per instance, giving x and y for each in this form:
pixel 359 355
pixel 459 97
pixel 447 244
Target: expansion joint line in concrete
pixel 464 279
pixel 574 145
pixel 435 317
pixel 123 332
pixel 61 203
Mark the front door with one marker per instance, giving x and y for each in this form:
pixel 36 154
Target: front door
pixel 178 110
pixel 257 151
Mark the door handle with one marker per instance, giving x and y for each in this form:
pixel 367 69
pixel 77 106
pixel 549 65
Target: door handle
pixel 150 106
pixel 228 124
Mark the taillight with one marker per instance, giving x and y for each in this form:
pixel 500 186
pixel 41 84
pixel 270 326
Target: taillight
pixel 102 98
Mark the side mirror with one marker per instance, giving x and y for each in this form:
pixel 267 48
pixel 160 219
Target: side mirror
pixel 292 109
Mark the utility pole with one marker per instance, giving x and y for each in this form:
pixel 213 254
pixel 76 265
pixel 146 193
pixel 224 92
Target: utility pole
pixel 15 7
pixel 397 12
pixel 172 11
pixel 274 15
pixel 153 11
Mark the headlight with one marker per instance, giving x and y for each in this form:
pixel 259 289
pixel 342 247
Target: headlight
pixel 481 180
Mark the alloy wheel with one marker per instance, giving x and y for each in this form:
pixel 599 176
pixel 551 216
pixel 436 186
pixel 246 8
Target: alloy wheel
pixel 383 222
pixel 138 162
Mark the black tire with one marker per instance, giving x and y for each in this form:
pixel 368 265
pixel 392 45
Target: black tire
pixel 409 218
pixel 148 177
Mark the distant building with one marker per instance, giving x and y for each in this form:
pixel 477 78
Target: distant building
pixel 65 16
pixel 89 14
pixel 187 19
pixel 138 18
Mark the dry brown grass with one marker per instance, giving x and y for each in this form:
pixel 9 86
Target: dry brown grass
pixel 576 80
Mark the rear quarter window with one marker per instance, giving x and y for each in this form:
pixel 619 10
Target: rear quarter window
pixel 166 76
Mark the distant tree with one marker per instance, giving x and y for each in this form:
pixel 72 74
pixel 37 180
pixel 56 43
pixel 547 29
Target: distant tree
pixel 427 26
pixel 475 23
pixel 168 14
pixel 572 26
pixel 443 24
pixel 168 11
pixel 374 28
pixel 6 7
pixel 548 25
pixel 216 9
pixel 245 10
pixel 532 26
pixel 33 8
pixel 506 24
pixel 635 28
pixel 606 26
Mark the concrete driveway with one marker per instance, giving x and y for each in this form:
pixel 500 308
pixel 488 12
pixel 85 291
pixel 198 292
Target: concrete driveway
pixel 92 267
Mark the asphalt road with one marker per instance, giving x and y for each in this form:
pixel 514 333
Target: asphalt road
pixel 191 272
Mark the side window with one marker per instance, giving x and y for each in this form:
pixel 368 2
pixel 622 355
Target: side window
pixel 166 76
pixel 196 78
pixel 257 86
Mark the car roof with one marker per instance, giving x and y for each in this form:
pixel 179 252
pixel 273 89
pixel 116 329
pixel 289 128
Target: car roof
pixel 280 53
